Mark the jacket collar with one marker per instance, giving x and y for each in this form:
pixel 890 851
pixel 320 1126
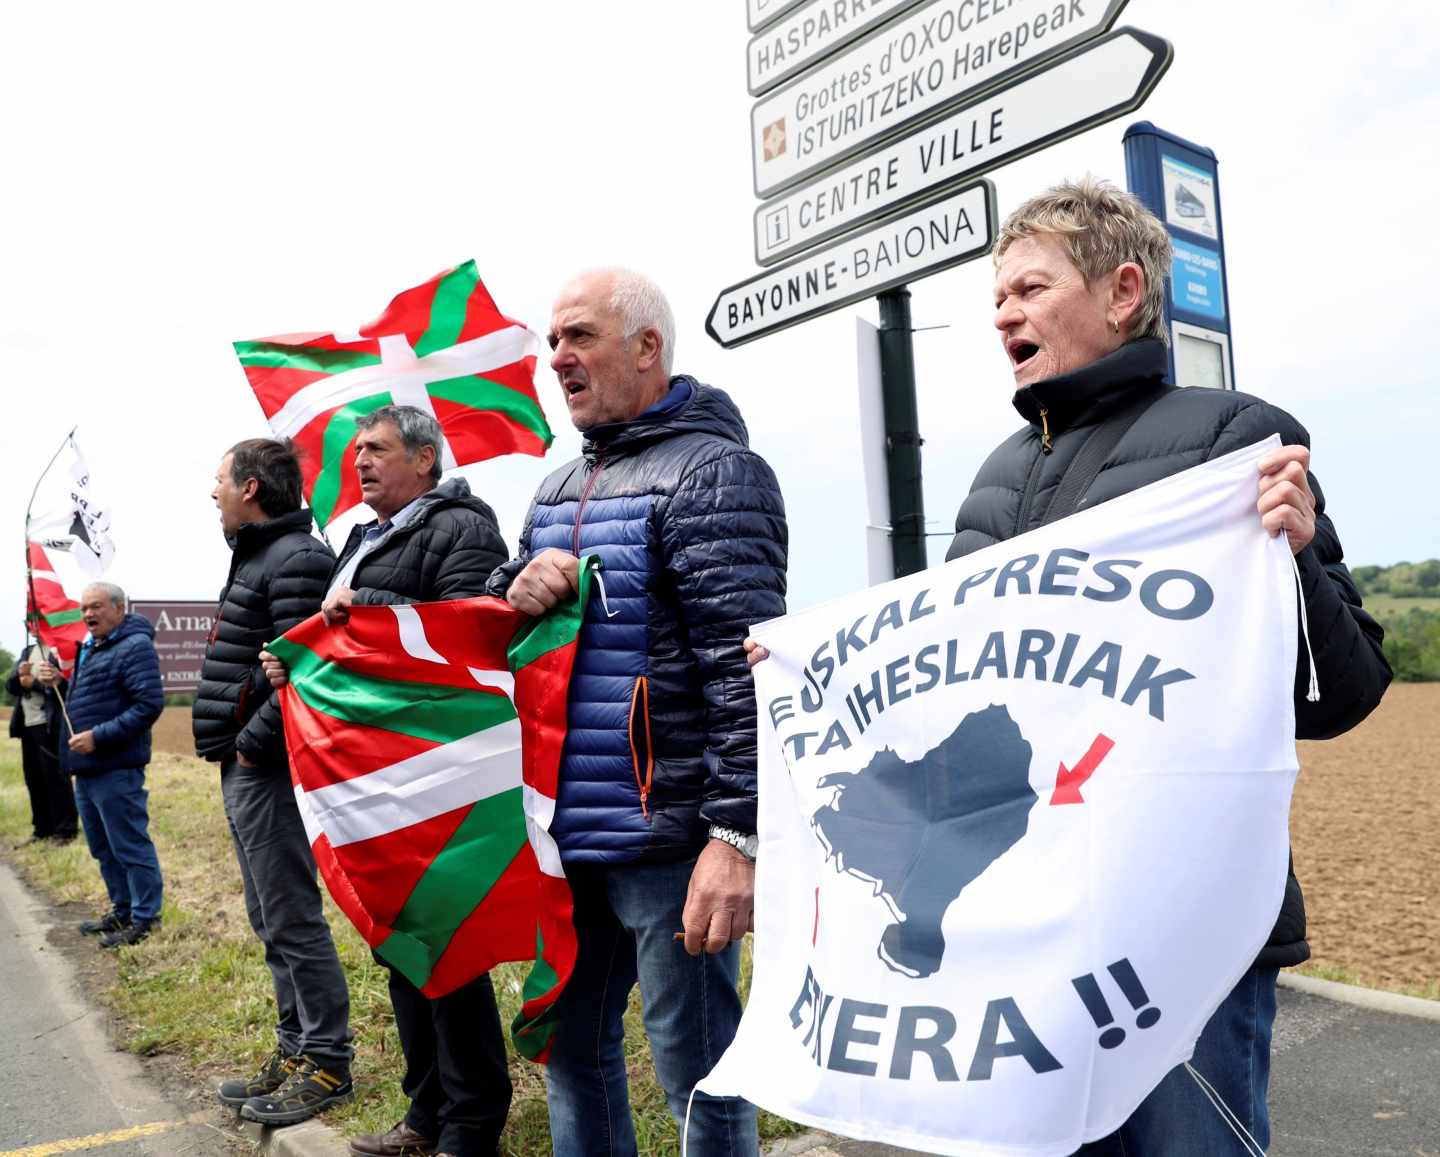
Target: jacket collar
pixel 688 407
pixel 253 535
pixel 1087 393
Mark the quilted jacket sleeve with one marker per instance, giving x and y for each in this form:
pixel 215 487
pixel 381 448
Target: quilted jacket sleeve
pixel 296 590
pixel 1350 666
pixel 139 670
pixel 726 542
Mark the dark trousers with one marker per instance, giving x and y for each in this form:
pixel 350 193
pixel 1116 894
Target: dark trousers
pixel 283 902
pixel 455 1069
pixel 52 802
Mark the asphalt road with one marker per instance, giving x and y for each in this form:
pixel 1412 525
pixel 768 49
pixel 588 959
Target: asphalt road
pixel 1345 1082
pixel 63 1089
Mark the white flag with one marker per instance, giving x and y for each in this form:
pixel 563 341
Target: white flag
pixel 81 527
pixel 1023 824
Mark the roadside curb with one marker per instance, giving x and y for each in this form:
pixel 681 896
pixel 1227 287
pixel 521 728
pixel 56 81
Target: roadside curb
pixel 308 1139
pixel 1371 998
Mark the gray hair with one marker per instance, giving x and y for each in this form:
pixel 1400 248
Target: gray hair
pixel 640 304
pixel 112 592
pixel 1102 227
pixel 416 428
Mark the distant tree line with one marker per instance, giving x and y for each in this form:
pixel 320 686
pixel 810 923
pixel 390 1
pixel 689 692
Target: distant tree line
pixel 1412 632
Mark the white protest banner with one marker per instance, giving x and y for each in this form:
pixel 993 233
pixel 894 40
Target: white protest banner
pixel 1023 824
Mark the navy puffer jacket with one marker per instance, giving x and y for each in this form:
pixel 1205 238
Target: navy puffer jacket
pixel 1181 428
pixel 115 692
pixel 690 528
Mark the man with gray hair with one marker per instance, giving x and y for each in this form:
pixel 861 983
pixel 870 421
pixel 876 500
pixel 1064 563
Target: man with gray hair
pixel 655 814
pixel 113 696
pixel 431 541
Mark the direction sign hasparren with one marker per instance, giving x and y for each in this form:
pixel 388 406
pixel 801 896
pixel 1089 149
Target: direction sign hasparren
pixel 945 230
pixel 1085 87
pixel 914 66
pixel 810 34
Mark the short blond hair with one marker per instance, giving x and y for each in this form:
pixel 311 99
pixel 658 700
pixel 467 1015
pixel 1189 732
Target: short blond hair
pixel 1102 228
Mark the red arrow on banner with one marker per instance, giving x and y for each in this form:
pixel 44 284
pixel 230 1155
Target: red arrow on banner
pixel 1067 782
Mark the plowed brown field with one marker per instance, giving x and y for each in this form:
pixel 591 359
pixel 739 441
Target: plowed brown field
pixel 1365 825
pixel 1366 830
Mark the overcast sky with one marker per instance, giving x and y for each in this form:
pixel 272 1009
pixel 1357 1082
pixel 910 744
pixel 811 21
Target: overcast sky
pixel 184 175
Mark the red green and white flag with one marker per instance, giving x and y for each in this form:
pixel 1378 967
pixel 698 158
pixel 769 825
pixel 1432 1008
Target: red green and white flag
pixel 53 616
pixel 444 347
pixel 427 795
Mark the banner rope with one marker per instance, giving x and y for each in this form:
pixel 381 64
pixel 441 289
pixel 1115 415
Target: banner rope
pixel 1313 695
pixel 1252 1146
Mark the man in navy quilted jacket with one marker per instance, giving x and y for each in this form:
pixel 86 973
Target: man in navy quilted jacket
pixel 655 815
pixel 113 697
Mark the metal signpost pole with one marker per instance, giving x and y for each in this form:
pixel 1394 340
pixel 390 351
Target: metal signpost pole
pixel 902 432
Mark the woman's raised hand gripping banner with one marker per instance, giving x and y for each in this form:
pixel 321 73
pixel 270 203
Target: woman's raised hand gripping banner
pixel 1023 824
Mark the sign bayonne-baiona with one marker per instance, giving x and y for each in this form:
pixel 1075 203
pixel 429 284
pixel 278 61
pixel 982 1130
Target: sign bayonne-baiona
pixel 906 69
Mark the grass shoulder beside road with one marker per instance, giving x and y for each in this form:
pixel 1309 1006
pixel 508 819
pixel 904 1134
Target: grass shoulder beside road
pixel 199 989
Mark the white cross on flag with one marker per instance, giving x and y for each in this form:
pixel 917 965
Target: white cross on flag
pixel 1023 824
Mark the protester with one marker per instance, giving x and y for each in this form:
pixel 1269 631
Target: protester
pixel 276 580
pixel 35 722
pixel 113 697
pixel 655 817
pixel 430 542
pixel 1079 301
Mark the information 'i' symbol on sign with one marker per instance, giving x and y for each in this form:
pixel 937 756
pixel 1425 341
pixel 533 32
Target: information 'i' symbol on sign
pixel 1099 1010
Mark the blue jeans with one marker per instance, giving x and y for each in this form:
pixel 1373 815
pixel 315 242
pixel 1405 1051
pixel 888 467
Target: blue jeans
pixel 1233 1054
pixel 117 828
pixel 626 917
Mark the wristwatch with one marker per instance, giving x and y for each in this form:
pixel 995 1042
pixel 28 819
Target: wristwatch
pixel 746 845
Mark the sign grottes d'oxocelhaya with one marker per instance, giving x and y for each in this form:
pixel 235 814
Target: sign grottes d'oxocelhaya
pixel 910 68
pixel 1082 88
pixel 982 788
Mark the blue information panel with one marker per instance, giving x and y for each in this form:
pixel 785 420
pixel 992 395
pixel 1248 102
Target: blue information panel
pixel 1179 182
pixel 1197 281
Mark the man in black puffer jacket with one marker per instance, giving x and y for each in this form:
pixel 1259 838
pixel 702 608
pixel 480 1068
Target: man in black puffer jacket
pixel 430 543
pixel 277 579
pixel 655 816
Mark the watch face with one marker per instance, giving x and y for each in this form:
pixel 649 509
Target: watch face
pixel 750 845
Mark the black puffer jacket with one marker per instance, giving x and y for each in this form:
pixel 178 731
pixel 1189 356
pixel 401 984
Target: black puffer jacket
pixel 446 551
pixel 690 528
pixel 1181 428
pixel 277 579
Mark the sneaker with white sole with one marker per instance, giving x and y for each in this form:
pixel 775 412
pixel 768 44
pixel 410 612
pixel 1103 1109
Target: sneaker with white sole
pixel 308 1090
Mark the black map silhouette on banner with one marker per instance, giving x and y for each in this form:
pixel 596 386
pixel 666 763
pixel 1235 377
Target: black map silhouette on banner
pixel 921 832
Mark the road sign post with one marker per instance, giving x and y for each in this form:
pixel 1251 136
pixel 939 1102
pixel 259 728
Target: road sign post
pixel 902 433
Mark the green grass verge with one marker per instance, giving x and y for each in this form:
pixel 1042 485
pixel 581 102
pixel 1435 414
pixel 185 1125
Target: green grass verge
pixel 199 989
pixel 1342 975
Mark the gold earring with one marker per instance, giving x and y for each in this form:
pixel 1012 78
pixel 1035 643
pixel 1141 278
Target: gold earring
pixel 1115 325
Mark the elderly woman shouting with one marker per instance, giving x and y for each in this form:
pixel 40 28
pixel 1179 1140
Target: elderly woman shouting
pixel 1079 303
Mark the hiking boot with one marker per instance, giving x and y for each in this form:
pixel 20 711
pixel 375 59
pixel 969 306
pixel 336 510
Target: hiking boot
pixel 132 933
pixel 112 921
pixel 271 1076
pixel 308 1090
pixel 401 1141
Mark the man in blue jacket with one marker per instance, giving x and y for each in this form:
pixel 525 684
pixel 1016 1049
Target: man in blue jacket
pixel 655 816
pixel 113 697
